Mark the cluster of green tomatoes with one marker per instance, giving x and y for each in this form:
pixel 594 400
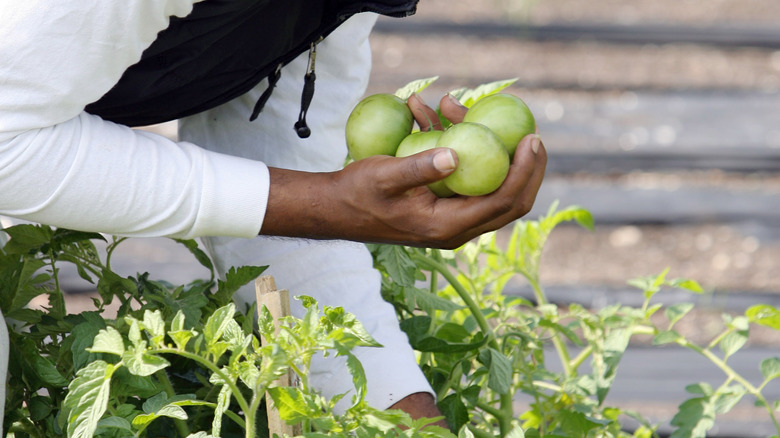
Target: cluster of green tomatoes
pixel 381 124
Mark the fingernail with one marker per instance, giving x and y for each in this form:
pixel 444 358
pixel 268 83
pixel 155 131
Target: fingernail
pixel 418 97
pixel 454 100
pixel 444 161
pixel 535 142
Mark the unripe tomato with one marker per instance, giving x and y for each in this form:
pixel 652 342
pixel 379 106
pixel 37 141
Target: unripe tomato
pixel 422 141
pixel 377 125
pixel 506 115
pixel 483 161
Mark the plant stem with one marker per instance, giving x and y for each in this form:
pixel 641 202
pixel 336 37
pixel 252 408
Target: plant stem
pixel 560 347
pixel 731 374
pixel 506 410
pixel 439 267
pixel 214 369
pixel 181 425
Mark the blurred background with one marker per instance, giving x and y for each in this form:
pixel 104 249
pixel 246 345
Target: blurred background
pixel 660 117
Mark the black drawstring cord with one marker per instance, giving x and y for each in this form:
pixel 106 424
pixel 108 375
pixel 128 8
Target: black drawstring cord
pixel 272 80
pixel 301 128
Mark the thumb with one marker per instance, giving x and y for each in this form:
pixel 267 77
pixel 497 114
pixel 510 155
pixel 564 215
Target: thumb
pixel 427 167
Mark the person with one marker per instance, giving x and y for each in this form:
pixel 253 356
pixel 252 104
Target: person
pixel 77 74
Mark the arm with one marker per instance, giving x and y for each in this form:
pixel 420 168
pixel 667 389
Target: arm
pixel 61 166
pixel 395 206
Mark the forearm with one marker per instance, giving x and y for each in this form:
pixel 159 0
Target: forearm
pixel 89 174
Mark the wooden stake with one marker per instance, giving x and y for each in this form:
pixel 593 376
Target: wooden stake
pixel 278 303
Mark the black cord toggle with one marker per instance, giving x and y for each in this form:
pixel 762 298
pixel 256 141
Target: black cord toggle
pixel 272 80
pixel 301 128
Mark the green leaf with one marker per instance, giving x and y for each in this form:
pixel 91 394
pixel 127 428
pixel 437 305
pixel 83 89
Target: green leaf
pixel 114 422
pixel 454 411
pixel 575 424
pixel 290 403
pixel 236 278
pixel 154 324
pixel 666 337
pixel 223 404
pixel 26 237
pixel 199 254
pixel 415 86
pixel 701 388
pixel 694 418
pixel 687 284
pixel 396 262
pixel 732 342
pixel 358 378
pixel 218 322
pixel 605 361
pixel 181 337
pixel 87 398
pixel 676 312
pixel 469 96
pixel 170 411
pixel 141 363
pixel 727 398
pixel 765 315
pixel 499 370
pixel 109 341
pixel 770 368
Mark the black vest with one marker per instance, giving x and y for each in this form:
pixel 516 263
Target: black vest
pixel 222 50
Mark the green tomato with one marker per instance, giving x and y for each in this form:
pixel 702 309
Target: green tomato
pixel 483 161
pixel 506 115
pixel 377 125
pixel 422 141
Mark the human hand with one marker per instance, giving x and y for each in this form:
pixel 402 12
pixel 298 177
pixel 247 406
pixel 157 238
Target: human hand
pixel 385 199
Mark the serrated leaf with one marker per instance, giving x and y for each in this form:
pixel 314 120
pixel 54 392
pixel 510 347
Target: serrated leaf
pixel 666 337
pixel 108 340
pixel 415 86
pixel 676 312
pixel 170 411
pixel 154 324
pixel 114 422
pixel 199 254
pixel 469 96
pixel 181 337
pixel 290 403
pixel 223 404
pixel 455 412
pixel 396 261
pixel 236 278
pixel 732 342
pixel 358 378
pixel 141 363
pixel 687 284
pixel 218 322
pixel 87 398
pixel 770 368
pixel 765 315
pixel 499 370
pixel 694 418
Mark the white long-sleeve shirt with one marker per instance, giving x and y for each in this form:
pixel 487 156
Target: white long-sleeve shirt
pixel 64 167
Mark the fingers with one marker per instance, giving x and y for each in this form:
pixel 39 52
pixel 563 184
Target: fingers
pixel 425 116
pixel 423 168
pixel 452 109
pixel 513 200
